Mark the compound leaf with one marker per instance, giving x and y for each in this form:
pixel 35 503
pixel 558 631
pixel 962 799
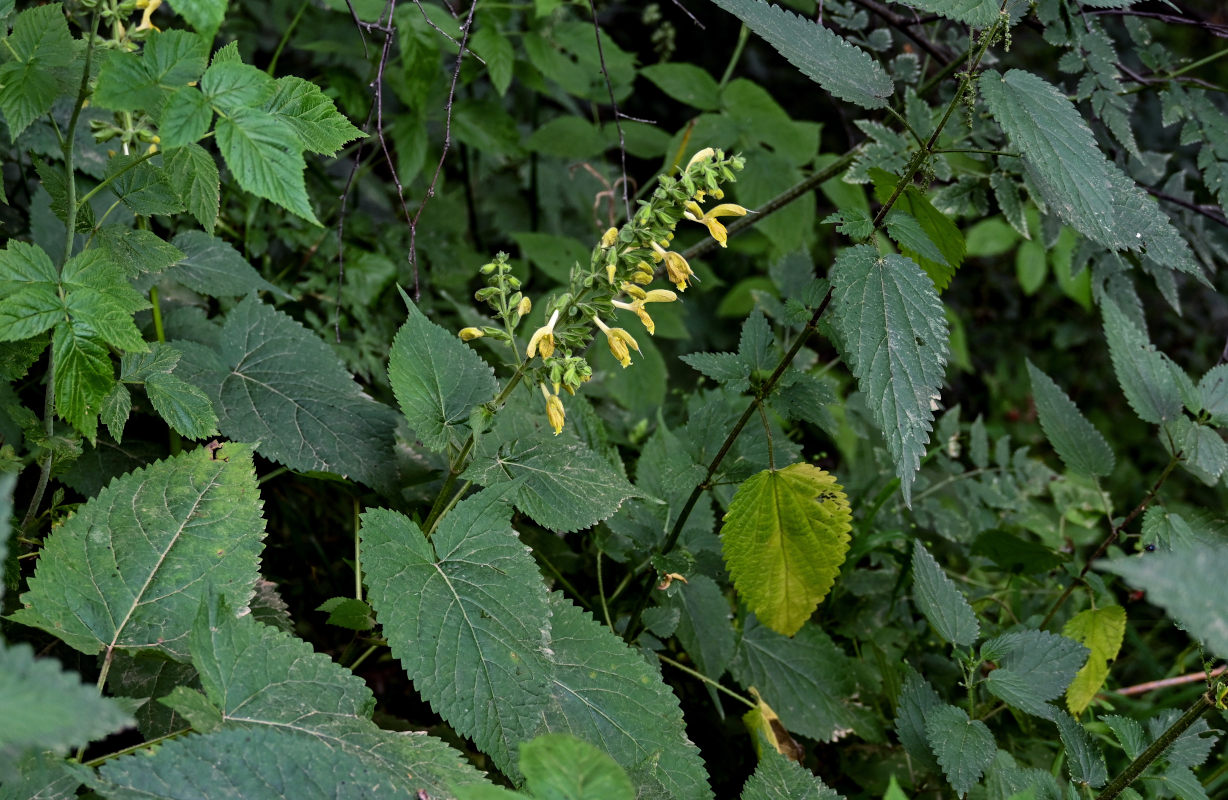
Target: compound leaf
pixel 1033 667
pixel 305 108
pixel 784 539
pixel 466 614
pixel 964 747
pixel 1100 630
pixel 841 68
pixel 1080 445
pixel 941 601
pixel 130 568
pixel 893 331
pixel 84 375
pixel 195 176
pixel 265 157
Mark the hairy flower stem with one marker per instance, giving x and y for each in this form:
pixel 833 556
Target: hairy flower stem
pixel 1204 702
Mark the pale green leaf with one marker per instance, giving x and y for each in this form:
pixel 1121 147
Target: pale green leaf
pixel 184 407
pixel 1201 447
pixel 195 176
pixel 561 767
pixel 312 115
pixel 842 69
pixel 437 380
pixel 265 157
pixel 184 118
pixel 466 615
pixel 204 15
pixel 1100 630
pixel 1146 375
pixel 143 187
pixel 29 309
pixel 231 86
pixel 1079 444
pixel 22 263
pixel 805 678
pixel 40 41
pixel 606 694
pixel 213 267
pixel 779 778
pixel 893 332
pixel 1084 758
pixel 276 383
pixel 1033 667
pixel 685 83
pixel 175 58
pixel 784 539
pixel 964 747
pixel 130 568
pixel 941 601
pixel 84 376
pixel 497 51
pixel 27 92
pixel 116 407
pixel 46 708
pixel 40 33
pixel 923 232
pixel 1188 583
pixel 1129 734
pixel 725 368
pixel 194 708
pixel 135 251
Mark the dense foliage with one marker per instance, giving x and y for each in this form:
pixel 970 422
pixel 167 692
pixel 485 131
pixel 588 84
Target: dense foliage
pixel 599 401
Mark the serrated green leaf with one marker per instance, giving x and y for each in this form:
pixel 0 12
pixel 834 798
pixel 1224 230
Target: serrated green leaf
pixel 41 34
pixel 184 118
pixel 977 13
pixel 41 776
pixel 1033 667
pixel 941 601
pixel 149 675
pixel 724 368
pixel 497 51
pixel 135 251
pixel 265 156
pixel 1080 445
pixel 606 694
pixel 1202 449
pixel 274 382
pixel 46 708
pixel 116 407
pixel 204 15
pixel 894 335
pixel 842 69
pixel 755 343
pixel 124 83
pixel 466 615
pixel 213 267
pixel 29 310
pixel 1084 758
pixel 1189 749
pixel 184 407
pixel 27 91
pixel 1213 393
pixel 854 223
pixel 437 380
pixel 84 376
pixel 195 176
pixel 348 612
pixel 704 628
pixel 557 766
pixel 964 747
pixel 1145 374
pixel 779 778
pixel 1187 582
pixel 98 299
pixel 231 86
pixel 805 678
pixel 685 83
pixel 784 539
pixel 194 708
pixel 130 569
pixel 923 232
pixel 1129 734
pixel 40 41
pixel 1100 630
pixel 312 114
pixel 917 700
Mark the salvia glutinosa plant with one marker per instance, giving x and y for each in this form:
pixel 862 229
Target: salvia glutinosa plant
pixel 473 353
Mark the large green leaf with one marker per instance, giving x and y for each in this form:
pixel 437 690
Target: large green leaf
pixel 213 267
pixel 39 43
pixel 805 678
pixel 204 15
pixel 1188 583
pixel 171 60
pixel 893 332
pixel 130 568
pixel 561 767
pixel 305 108
pixel 779 778
pixel 1100 630
pixel 276 383
pixel 437 379
pixel 466 614
pixel 46 708
pixel 841 68
pixel 1033 667
pixel 606 694
pixel 964 747
pixel 940 600
pixel 784 539
pixel 1148 377
pixel 1079 444
pixel 265 156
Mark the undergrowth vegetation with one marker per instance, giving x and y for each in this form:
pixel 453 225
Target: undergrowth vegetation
pixel 613 400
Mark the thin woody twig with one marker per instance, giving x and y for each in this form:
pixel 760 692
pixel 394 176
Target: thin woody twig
pixel 622 142
pixel 1166 683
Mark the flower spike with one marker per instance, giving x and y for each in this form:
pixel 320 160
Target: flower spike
pixel 543 339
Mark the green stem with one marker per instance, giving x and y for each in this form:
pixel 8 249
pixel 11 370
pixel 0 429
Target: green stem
pixel 176 442
pixel 285 37
pixel 900 119
pixel 702 677
pixel 365 655
pixel 736 56
pixel 1200 62
pixel 767 431
pixel 1201 705
pixel 605 607
pixel 456 498
pixel 975 151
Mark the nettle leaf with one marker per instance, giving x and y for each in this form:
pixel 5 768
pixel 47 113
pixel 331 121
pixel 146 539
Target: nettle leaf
pixel 39 43
pixel 1084 758
pixel 941 601
pixel 312 114
pixel 917 700
pixel 893 332
pixel 1213 393
pixel 704 628
pixel 466 614
pixel 1100 630
pixel 1146 375
pixel 1080 445
pixel 844 70
pixel 194 175
pixel 755 347
pixel 605 693
pixel 964 747
pixel 556 765
pixel 213 267
pixel 977 13
pixel 437 380
pixel 784 539
pixel 130 568
pixel 780 778
pixel 46 708
pixel 265 156
pixel 1201 448
pixel 805 678
pixel 1188 583
pixel 274 382
pixel 923 233
pixel 1033 667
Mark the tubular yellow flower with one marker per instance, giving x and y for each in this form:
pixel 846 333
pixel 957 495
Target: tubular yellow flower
pixel 526 305
pixel 636 306
pixel 619 341
pixel 469 334
pixel 676 269
pixel 702 155
pixel 634 291
pixel 554 410
pixel 150 6
pixel 709 218
pixel 609 237
pixel 543 339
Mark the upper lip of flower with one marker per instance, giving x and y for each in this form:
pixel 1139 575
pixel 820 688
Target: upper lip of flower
pixel 543 336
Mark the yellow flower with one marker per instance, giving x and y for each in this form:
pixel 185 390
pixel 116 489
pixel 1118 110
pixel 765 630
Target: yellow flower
pixel 676 269
pixel 150 7
pixel 709 219
pixel 636 306
pixel 609 237
pixel 702 155
pixel 525 306
pixel 554 409
pixel 619 341
pixel 543 338
pixel 469 334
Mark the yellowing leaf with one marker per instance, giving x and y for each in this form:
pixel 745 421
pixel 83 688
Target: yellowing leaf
pixel 763 720
pixel 1101 631
pixel 785 537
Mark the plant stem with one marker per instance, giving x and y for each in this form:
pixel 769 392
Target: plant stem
pixel 702 677
pixel 767 432
pixel 736 56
